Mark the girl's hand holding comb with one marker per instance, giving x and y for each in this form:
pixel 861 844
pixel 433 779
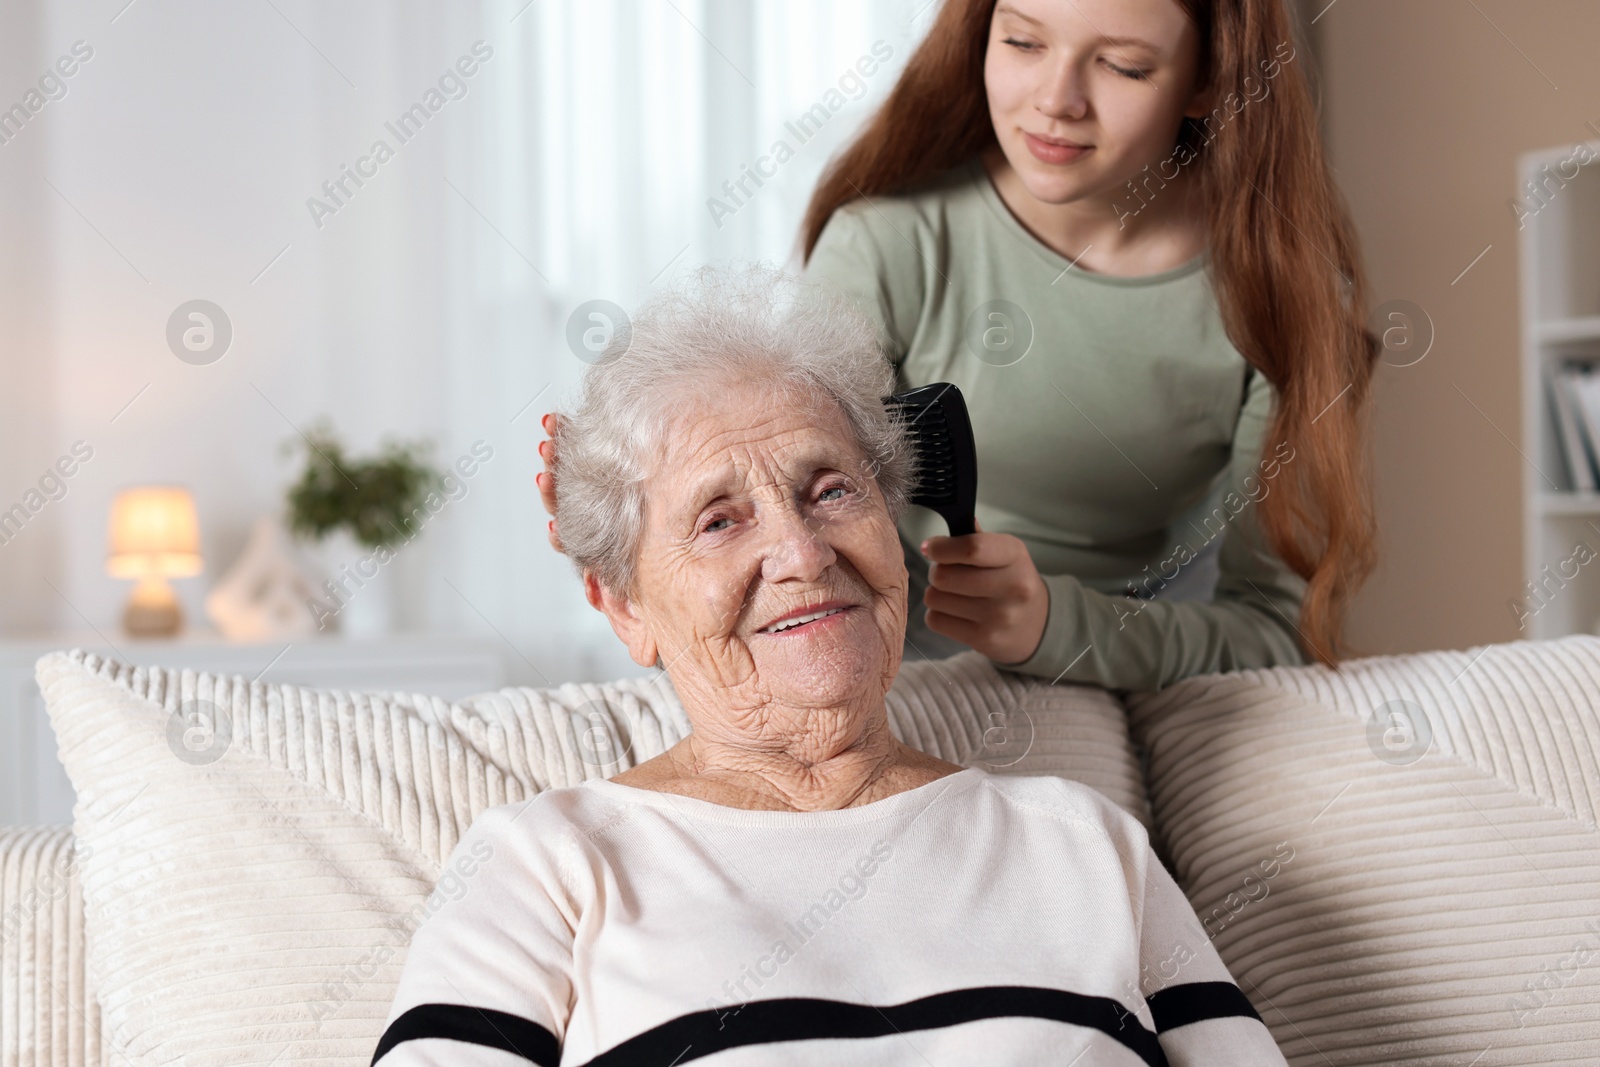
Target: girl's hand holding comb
pixel 984 591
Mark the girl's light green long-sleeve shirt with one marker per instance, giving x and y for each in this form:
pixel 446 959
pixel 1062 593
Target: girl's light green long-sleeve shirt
pixel 1119 432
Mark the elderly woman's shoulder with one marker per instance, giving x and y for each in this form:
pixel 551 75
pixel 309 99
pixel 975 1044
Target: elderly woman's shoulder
pixel 1066 799
pixel 549 817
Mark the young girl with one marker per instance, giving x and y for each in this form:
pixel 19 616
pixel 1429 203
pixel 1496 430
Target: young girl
pixel 1110 223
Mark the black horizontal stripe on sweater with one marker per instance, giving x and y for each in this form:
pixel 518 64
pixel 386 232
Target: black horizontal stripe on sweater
pixel 475 1026
pixel 761 1022
pixel 1194 1002
pixel 704 1033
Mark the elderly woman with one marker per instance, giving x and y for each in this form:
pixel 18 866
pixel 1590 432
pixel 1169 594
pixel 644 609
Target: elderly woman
pixel 790 884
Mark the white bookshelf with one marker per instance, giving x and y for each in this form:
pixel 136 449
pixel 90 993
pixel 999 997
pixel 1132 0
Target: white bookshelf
pixel 1560 279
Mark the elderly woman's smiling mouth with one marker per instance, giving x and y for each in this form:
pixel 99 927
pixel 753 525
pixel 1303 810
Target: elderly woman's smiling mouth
pixel 797 621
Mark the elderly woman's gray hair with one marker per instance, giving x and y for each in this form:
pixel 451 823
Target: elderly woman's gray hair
pixel 718 326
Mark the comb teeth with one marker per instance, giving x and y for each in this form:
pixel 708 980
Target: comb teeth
pixel 929 435
pixel 939 432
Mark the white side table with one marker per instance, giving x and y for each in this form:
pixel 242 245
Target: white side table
pixel 34 789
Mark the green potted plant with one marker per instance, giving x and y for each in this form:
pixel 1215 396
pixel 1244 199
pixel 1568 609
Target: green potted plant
pixel 360 512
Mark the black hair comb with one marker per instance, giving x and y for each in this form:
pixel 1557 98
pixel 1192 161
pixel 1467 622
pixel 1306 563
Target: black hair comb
pixel 936 422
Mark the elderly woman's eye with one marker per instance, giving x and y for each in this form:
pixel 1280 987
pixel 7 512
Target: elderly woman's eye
pixel 841 490
pixel 713 525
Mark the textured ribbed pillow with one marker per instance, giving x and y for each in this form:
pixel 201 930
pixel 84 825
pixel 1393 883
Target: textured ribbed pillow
pixel 1398 861
pixel 47 1017
pixel 255 857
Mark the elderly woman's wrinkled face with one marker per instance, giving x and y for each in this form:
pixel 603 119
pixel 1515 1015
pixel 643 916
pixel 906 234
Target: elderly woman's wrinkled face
pixel 769 570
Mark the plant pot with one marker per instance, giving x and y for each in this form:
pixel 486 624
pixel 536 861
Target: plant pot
pixel 356 587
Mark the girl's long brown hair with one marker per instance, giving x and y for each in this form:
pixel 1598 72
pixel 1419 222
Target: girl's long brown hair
pixel 1285 263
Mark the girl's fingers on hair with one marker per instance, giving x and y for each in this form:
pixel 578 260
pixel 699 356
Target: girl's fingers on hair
pixel 547 454
pixel 551 422
pixel 547 490
pixel 546 479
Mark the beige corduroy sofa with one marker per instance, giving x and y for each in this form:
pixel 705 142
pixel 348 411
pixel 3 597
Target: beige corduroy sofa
pixel 1397 860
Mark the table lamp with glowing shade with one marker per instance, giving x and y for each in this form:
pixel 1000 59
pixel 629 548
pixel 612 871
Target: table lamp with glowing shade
pixel 155 535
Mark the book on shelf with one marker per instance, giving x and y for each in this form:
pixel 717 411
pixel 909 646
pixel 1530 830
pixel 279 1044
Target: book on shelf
pixel 1575 395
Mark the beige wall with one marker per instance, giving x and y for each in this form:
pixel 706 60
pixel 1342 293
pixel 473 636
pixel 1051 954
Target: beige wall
pixel 1426 106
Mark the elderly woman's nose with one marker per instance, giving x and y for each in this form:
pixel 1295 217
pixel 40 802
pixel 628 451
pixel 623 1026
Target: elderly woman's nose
pixel 795 548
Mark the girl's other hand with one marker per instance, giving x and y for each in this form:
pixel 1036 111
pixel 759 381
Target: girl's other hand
pixel 984 591
pixel 546 479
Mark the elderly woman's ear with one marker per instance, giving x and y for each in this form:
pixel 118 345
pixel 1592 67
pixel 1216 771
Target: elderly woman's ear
pixel 625 620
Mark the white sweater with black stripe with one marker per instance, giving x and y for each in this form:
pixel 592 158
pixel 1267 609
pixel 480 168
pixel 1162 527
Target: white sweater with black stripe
pixel 975 919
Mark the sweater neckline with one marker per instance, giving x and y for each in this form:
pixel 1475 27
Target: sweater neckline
pixel 979 176
pixel 693 807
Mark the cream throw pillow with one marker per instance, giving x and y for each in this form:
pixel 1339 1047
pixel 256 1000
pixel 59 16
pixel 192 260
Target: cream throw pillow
pixel 46 1017
pixel 256 856
pixel 1397 861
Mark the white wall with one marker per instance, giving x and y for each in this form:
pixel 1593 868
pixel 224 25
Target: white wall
pixel 28 424
pixel 432 304
pixel 1431 186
